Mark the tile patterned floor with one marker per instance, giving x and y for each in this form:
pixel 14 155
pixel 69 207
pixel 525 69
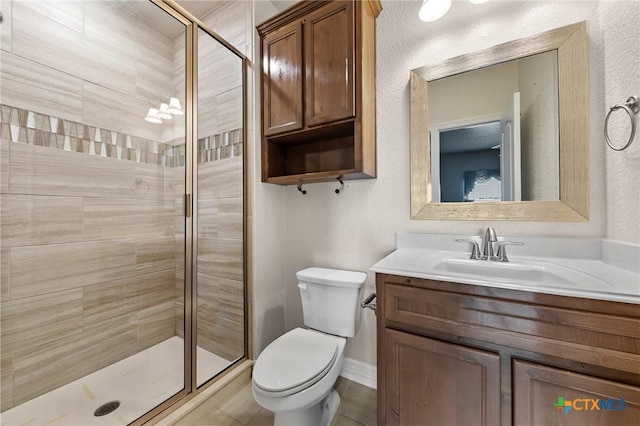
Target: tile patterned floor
pixel 357 408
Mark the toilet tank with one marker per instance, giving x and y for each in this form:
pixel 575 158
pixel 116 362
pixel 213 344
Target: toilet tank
pixel 330 299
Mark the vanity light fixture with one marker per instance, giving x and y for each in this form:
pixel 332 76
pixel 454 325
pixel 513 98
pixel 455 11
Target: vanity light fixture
pixel 478 1
pixel 432 10
pixel 165 111
pixel 153 117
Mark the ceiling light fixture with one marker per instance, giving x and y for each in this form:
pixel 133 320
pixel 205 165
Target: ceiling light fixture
pixel 165 111
pixel 152 116
pixel 174 107
pixel 432 10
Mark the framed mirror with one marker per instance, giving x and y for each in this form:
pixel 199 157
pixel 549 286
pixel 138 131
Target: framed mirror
pixel 503 134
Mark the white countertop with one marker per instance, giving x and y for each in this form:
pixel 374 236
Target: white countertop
pixel 570 267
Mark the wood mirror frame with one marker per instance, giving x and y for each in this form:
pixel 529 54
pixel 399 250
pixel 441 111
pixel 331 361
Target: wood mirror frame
pixel 573 114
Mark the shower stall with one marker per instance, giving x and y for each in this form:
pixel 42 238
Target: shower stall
pixel 122 202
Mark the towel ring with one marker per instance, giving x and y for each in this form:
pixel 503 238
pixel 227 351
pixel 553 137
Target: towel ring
pixel 631 107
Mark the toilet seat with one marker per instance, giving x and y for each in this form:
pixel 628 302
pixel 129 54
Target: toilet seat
pixel 295 361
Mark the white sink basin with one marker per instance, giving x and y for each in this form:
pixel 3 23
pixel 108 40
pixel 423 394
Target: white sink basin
pixel 535 272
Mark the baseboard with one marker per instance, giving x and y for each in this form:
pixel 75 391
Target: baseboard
pixel 360 372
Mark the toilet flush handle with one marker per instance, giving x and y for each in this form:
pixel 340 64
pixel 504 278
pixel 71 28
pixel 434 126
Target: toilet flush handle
pixel 370 302
pixel 303 286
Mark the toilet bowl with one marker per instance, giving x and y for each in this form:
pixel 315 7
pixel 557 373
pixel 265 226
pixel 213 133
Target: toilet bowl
pixel 294 376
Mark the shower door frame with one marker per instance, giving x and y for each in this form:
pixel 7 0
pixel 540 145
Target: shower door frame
pixel 192 24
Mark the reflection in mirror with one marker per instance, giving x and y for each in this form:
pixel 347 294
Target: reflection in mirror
pixel 501 123
pixel 503 133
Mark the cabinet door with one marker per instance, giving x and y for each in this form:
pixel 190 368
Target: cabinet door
pixel 550 396
pixel 429 382
pixel 282 79
pixel 329 62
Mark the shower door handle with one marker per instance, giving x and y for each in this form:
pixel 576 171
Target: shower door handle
pixel 187 205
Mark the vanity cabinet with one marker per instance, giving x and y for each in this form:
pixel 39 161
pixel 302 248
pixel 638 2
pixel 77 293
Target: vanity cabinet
pixel 463 385
pixel 318 92
pixel 594 401
pixel 457 354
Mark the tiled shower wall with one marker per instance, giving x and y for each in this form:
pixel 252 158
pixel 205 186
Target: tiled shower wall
pixel 87 197
pixel 92 209
pixel 94 62
pixel 80 253
pixel 88 255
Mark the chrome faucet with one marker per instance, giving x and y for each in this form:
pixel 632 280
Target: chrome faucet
pixel 488 250
pixel 487 244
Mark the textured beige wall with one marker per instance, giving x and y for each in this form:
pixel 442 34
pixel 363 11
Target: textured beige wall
pixel 355 229
pixel 267 217
pixel 486 91
pixel 620 35
pixel 537 83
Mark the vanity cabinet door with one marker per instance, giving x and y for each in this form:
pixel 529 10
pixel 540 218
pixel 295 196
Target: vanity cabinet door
pixel 550 396
pixel 329 63
pixel 282 79
pixel 429 382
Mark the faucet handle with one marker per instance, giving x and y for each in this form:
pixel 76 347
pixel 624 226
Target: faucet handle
pixel 475 248
pixel 501 255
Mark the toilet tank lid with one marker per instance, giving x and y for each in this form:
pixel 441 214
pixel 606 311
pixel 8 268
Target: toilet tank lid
pixel 334 277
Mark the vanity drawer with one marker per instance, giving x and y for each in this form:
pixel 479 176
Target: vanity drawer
pixel 604 337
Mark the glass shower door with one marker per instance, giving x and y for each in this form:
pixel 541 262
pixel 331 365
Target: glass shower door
pixel 219 196
pixel 91 192
pixel 100 299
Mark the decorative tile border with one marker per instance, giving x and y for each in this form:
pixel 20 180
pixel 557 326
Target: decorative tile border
pixel 212 148
pixel 220 146
pixel 177 152
pixel 31 128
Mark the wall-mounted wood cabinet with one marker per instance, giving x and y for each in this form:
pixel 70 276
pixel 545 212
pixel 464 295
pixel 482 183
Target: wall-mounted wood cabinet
pixel 318 92
pixel 456 354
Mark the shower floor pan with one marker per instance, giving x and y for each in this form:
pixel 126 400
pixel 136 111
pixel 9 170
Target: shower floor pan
pixel 139 383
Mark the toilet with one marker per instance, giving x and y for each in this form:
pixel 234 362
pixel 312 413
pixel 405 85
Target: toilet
pixel 294 376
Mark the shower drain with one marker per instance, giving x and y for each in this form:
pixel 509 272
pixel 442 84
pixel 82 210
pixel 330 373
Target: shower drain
pixel 107 408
